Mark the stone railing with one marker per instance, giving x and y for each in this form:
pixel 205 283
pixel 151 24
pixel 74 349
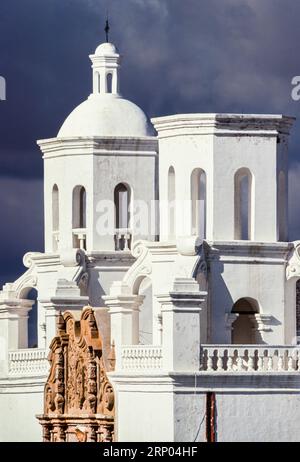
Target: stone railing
pixel 79 238
pixel 123 239
pixel 29 362
pixel 250 358
pixel 140 357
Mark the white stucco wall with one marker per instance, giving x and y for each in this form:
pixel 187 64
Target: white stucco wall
pixel 18 410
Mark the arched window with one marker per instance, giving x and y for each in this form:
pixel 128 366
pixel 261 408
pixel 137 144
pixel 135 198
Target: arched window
pixel 243 192
pixel 171 201
pixel 55 208
pixel 99 81
pixel 282 207
pixel 55 216
pixel 146 313
pixel 79 217
pixel 122 205
pixel 79 207
pixel 245 328
pixel 298 311
pixel 33 320
pixel 198 196
pixel 109 83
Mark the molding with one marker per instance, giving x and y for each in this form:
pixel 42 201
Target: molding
pixel 202 382
pixel 263 125
pixel 107 146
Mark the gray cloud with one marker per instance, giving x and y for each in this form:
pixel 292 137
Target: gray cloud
pixel 178 56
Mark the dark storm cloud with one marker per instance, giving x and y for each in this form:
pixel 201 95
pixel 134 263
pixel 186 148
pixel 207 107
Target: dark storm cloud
pixel 179 56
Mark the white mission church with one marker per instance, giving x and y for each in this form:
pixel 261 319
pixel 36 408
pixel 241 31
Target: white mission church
pixel 167 292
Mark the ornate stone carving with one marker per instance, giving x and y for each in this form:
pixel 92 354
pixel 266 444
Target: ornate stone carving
pixel 77 394
pixel 293 265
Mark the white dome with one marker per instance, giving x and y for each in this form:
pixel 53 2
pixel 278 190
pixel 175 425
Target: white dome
pixel 106 49
pixel 106 115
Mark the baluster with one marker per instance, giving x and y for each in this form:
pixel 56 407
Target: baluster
pixel 229 364
pixel 209 362
pixel 298 361
pixel 126 241
pixel 239 362
pixel 290 364
pixel 219 361
pixel 280 363
pixel 270 363
pixel 251 363
pixel 260 363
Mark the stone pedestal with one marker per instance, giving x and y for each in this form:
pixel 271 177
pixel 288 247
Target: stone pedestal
pixel 181 326
pixel 124 313
pixel 67 298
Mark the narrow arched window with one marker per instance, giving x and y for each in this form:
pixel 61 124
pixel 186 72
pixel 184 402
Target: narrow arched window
pixel 243 221
pixel 55 208
pixel 198 202
pixel 55 218
pixel 282 207
pixel 298 311
pixel 171 201
pixel 79 207
pixel 79 218
pixel 99 82
pixel 122 206
pixel 109 83
pixel 33 320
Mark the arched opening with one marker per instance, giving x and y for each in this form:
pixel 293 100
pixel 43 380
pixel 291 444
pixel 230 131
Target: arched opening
pixel 244 328
pixel 79 217
pixel 198 196
pixel 122 200
pixel 146 313
pixel 33 319
pixel 171 202
pixel 109 79
pixel 298 310
pixel 143 318
pixel 282 208
pixel 99 82
pixel 243 204
pixel 55 217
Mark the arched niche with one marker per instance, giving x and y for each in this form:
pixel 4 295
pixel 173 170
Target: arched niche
pixel 245 327
pixel 146 312
pixel 171 202
pixel 30 293
pixel 243 204
pixel 198 202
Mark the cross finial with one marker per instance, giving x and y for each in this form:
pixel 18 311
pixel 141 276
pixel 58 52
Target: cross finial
pixel 107 29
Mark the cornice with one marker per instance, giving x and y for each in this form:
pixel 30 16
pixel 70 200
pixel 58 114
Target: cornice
pixel 143 146
pixel 223 125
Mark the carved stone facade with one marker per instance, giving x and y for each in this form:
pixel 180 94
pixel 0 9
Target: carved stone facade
pixel 78 398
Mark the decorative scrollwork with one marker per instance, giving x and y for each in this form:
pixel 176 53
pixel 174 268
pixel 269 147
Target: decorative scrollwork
pixel 77 385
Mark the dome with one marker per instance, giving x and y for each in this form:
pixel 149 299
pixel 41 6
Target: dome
pixel 106 115
pixel 106 49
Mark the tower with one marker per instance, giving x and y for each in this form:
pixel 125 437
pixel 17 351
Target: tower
pixel 100 167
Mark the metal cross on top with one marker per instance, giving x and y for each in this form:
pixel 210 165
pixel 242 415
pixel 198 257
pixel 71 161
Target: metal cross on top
pixel 107 29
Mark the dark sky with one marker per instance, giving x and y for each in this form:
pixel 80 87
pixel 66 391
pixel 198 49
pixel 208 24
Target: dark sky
pixel 178 56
